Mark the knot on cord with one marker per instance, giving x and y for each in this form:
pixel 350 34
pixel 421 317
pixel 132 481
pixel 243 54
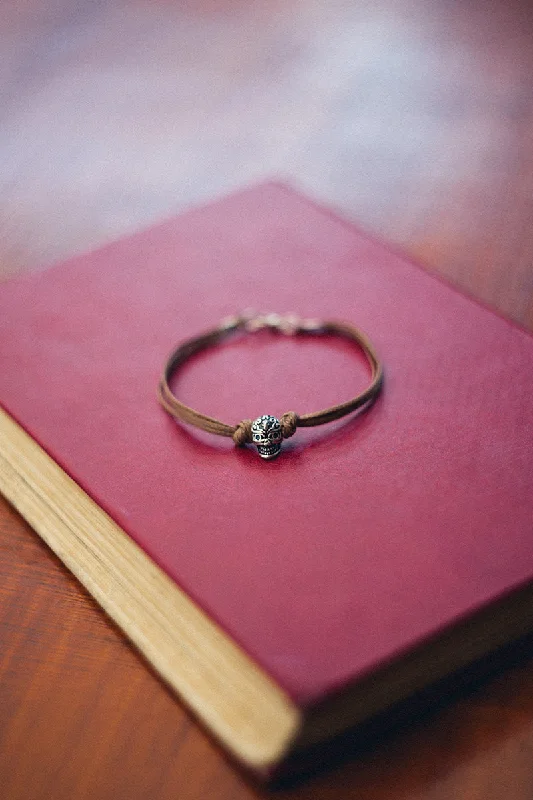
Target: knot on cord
pixel 243 433
pixel 288 422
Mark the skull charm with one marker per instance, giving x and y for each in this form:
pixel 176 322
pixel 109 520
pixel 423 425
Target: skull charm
pixel 267 436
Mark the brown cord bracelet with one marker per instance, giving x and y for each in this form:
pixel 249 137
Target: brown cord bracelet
pixel 267 432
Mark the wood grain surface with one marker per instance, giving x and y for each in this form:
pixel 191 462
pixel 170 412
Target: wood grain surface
pixel 415 117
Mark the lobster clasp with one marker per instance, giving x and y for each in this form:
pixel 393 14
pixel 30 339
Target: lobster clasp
pixel 288 324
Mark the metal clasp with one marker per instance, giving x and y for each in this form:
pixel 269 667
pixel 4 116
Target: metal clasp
pixel 288 324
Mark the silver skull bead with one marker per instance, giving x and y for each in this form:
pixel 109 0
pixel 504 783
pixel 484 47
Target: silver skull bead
pixel 267 435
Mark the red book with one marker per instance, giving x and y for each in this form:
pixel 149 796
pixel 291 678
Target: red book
pixel 368 539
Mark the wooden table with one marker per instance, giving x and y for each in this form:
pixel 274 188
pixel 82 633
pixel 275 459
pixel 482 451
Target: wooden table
pixel 413 116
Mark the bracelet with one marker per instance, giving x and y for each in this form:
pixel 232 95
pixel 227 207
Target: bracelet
pixel 267 432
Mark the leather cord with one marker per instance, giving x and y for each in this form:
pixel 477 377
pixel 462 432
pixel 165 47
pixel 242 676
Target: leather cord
pixel 290 421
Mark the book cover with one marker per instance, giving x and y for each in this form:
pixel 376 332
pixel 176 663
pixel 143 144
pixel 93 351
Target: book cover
pixel 366 537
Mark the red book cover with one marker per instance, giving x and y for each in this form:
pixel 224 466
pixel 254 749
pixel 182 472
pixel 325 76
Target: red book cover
pixel 366 536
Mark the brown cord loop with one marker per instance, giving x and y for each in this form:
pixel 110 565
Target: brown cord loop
pixel 290 421
pixel 243 433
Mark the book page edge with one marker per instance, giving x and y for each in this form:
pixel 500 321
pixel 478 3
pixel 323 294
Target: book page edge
pixel 240 704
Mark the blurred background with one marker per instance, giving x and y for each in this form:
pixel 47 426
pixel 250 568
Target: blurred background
pixel 414 117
